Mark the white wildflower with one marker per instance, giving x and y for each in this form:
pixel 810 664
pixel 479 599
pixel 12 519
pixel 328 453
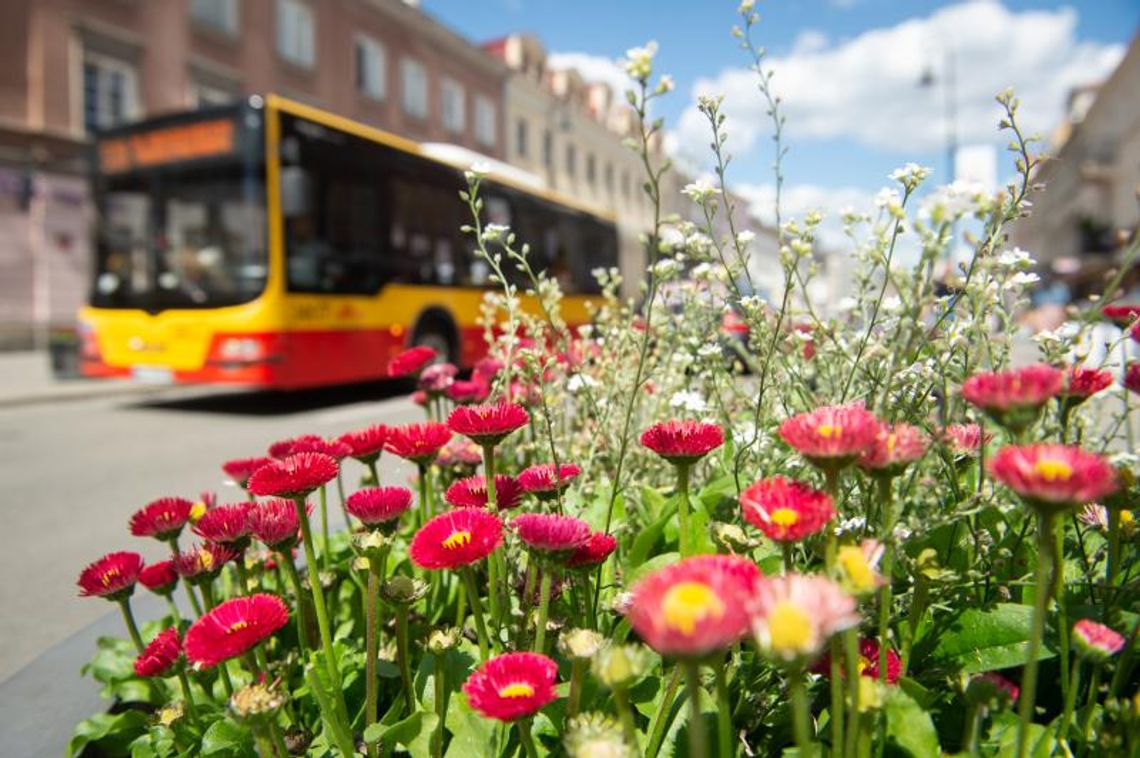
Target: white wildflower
pixel 638 61
pixel 887 197
pixel 700 191
pixel 580 381
pixel 689 401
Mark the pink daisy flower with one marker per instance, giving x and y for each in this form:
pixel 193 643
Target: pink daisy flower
pixel 512 686
pixel 471 492
pixel 895 448
pixel 113 576
pixel 593 552
pixel 832 436
pixel 365 445
pixel 683 443
pixel 161 655
pixel 793 616
pixel 551 536
pixel 295 477
pixel 233 628
pixel 162 519
pixel 239 470
pixel 456 538
pixel 379 507
pixel 1053 477
pixel 418 443
pixel 411 361
pixel 541 480
pixel 1014 398
pixel 786 510
pixel 1096 641
pixel 488 425
pixel 275 524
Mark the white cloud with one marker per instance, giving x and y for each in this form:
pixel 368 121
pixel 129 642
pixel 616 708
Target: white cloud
pixel 593 68
pixel 866 88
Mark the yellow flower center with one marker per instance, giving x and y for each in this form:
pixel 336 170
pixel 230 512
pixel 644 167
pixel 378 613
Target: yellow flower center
pixel 457 539
pixel 1126 517
pixel 1052 470
pixel 518 689
pixel 789 628
pixel 784 517
pixel 863 664
pixel 237 626
pixel 108 575
pixel 206 560
pixel 827 431
pixel 686 604
pixel 197 511
pixel 855 566
pixel 892 440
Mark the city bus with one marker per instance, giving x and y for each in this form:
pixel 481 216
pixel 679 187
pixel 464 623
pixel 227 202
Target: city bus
pixel 272 244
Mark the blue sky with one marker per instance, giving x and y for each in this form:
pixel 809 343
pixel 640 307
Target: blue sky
pixel 849 70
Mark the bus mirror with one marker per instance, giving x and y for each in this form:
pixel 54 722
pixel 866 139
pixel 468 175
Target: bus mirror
pixel 295 185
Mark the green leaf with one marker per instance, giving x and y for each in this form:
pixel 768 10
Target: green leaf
pixel 984 640
pixel 652 564
pixel 414 733
pixel 471 734
pixel 112 733
pixel 647 539
pixel 224 737
pixel 909 727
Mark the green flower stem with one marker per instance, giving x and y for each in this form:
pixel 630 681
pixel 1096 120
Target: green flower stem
pixel 425 504
pixel 698 741
pixel 403 655
pixel 801 713
pixel 528 592
pixel 886 535
pixel 460 605
pixel 1070 701
pixel 341 499
pixel 574 700
pixel 440 679
pixel 265 746
pixel 334 725
pixel 375 474
pixel 187 697
pixel 317 592
pixel 526 738
pixel 129 618
pixel 1112 562
pixel 686 537
pixel 243 573
pixel 174 611
pixel 173 542
pixel 544 587
pixel 724 738
pixel 1059 596
pixel 970 730
pixel 661 717
pixel 1124 663
pixel 836 682
pixel 1090 706
pixel 489 476
pixel 625 715
pixel 1028 696
pixel 851 664
pixel 786 549
pixel 493 594
pixel 227 683
pixel 371 646
pixel 476 611
pixel 276 738
pixel 324 529
pixel 286 560
pixel 207 590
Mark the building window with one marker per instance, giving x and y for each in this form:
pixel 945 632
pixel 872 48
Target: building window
pixel 110 92
pixel 547 148
pixel 413 95
pixel 625 184
pixel 452 106
pixel 609 177
pixel 522 138
pixel 295 37
pixel 571 160
pixel 221 15
pixel 371 68
pixel 485 126
pixel 591 169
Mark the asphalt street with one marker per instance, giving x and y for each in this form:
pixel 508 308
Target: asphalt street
pixel 73 470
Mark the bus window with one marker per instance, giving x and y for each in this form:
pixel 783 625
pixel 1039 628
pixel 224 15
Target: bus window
pixel 427 244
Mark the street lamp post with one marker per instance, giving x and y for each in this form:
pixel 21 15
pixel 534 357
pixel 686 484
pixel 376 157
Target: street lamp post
pixel 949 81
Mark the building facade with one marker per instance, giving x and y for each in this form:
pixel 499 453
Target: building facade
pixel 1090 208
pixel 71 67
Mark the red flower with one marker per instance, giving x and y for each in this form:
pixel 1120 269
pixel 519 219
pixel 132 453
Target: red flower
pixel 831 436
pixel 201 563
pixel 282 449
pixel 437 378
pixel 512 686
pixel 241 469
pixel 420 398
pixel 593 552
pixel 1014 398
pixel 162 519
pixel 1082 383
pixel 411 361
pixel 365 445
pixel 488 424
pixel 1132 377
pixel 161 655
pixel 311 443
pixel 895 448
pixel 418 443
pixel 456 538
pixel 991 689
pixel 160 578
pixel 294 477
pixel 695 606
pixel 275 523
pixel 488 368
pixel 468 391
pixel 1122 314
pixel 460 452
pixel 964 439
pixel 552 535
pixel 379 507
pixel 526 395
pixel 868 663
pixel 682 442
pixel 226 524
pixel 541 480
pixel 786 510
pixel 1053 477
pixel 471 492
pixel 1096 641
pixel 234 627
pixel 113 576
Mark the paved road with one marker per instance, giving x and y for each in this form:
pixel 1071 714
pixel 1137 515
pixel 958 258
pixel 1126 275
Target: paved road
pixel 72 472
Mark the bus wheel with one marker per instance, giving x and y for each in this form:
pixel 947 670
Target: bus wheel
pixel 437 334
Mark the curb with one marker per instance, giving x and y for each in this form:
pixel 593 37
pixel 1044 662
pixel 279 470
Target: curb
pixel 63 395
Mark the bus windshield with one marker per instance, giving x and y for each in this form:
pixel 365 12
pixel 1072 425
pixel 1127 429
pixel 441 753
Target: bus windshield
pixel 177 233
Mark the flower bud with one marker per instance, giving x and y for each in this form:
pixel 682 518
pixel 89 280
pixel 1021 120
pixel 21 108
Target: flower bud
pixel 595 735
pixel 620 665
pixel 403 590
pixel 255 701
pixel 580 643
pixel 442 640
pixel 1096 642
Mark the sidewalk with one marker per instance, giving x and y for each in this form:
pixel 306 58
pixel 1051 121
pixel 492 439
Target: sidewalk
pixel 26 379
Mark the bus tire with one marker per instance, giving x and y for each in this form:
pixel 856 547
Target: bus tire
pixel 436 329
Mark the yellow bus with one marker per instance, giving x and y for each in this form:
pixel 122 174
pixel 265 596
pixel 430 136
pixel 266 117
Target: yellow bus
pixel 273 244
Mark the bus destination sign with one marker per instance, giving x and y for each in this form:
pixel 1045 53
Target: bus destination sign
pixel 170 144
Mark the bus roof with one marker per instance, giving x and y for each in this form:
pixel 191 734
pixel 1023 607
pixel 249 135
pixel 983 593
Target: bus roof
pixel 454 156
